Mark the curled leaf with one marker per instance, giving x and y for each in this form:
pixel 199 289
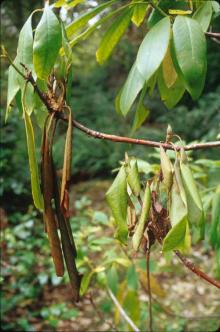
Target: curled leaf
pixel 138 234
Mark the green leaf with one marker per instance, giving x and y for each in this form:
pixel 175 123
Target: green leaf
pixel 13 88
pixel 194 202
pixel 176 236
pixel 215 222
pixel 86 279
pixel 141 115
pixel 203 15
pixel 167 169
pixel 189 50
pixel 130 90
pixel 170 96
pixel 139 13
pixel 168 69
pixel 84 19
pixel 156 16
pixel 35 182
pixel 139 231
pixel 47 42
pixel 150 56
pixel 133 178
pixel 116 198
pixel 216 7
pixel 112 36
pixel 24 56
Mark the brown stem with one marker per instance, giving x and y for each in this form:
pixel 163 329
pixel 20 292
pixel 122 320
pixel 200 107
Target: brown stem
pixel 215 35
pixel 150 324
pixel 196 270
pixel 114 138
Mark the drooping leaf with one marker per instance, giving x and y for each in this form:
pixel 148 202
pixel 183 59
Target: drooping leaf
pixel 35 182
pixel 66 174
pixel 13 88
pixel 48 194
pixel 215 222
pixel 194 202
pixel 203 15
pixel 138 234
pixel 139 13
pixel 141 115
pixel 47 42
pixel 149 55
pixel 167 169
pixel 133 177
pixel 112 36
pixel 189 54
pixel 116 198
pixel 176 236
pixel 170 96
pixel 131 88
pixel 84 19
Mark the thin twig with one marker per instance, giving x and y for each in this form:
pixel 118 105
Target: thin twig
pixel 122 312
pixel 114 138
pixel 99 313
pixel 196 270
pixel 150 325
pixel 215 35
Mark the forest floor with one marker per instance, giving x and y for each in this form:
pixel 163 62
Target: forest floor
pixel 186 302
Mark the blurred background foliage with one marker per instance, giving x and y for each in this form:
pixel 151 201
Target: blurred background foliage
pixel 33 297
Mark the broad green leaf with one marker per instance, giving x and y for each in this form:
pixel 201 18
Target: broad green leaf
pixel 141 115
pixel 84 19
pixel 216 7
pixel 35 182
pixel 113 279
pixel 112 36
pixel 85 34
pixel 130 90
pixel 116 198
pixel 203 15
pixel 131 304
pixel 47 42
pixel 149 55
pixel 189 46
pixel 139 231
pixel 133 178
pixel 215 222
pixel 139 13
pixel 170 96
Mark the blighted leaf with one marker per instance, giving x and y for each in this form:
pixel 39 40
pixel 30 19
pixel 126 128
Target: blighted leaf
pixel 203 15
pixel 112 36
pixel 133 177
pixel 149 55
pixel 130 90
pixel 66 173
pixel 189 54
pixel 170 96
pixel 47 42
pixel 139 13
pixel 138 234
pixel 116 198
pixel 179 12
pixel 167 169
pixel 168 69
pixel 82 20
